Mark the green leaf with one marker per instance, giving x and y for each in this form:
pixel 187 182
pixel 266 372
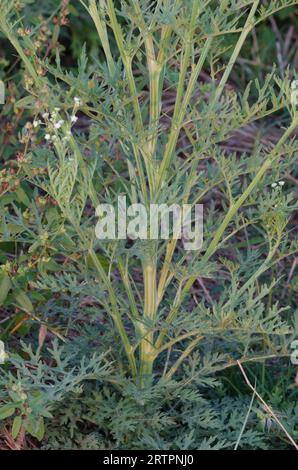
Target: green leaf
pixel 7 410
pixel 40 430
pixel 14 228
pixel 34 246
pixel 36 428
pixel 16 426
pixel 102 259
pixel 22 196
pixel 24 302
pixel 7 199
pixel 26 102
pixel 5 286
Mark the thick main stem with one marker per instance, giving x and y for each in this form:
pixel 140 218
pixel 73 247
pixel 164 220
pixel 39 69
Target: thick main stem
pixel 147 349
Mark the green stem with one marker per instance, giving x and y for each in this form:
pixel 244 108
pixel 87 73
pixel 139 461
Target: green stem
pixel 147 349
pixel 127 62
pixel 102 33
pixel 115 314
pixel 30 68
pixel 127 284
pixel 154 70
pixel 249 24
pixel 126 59
pixel 177 123
pixel 182 358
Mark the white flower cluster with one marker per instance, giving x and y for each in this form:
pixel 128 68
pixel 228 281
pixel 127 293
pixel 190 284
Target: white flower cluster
pixel 3 354
pixel 278 185
pixel 53 122
pixel 77 101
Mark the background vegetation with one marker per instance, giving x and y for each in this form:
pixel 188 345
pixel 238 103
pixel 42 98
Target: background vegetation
pixel 77 374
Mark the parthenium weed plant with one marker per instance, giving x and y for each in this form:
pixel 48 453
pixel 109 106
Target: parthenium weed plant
pixel 138 146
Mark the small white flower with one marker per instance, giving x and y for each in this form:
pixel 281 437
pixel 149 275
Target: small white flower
pixel 59 124
pixel 47 136
pixel 281 183
pixel 3 355
pixel 77 101
pixel 73 118
pixel 45 115
pixel 35 123
pixel 273 185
